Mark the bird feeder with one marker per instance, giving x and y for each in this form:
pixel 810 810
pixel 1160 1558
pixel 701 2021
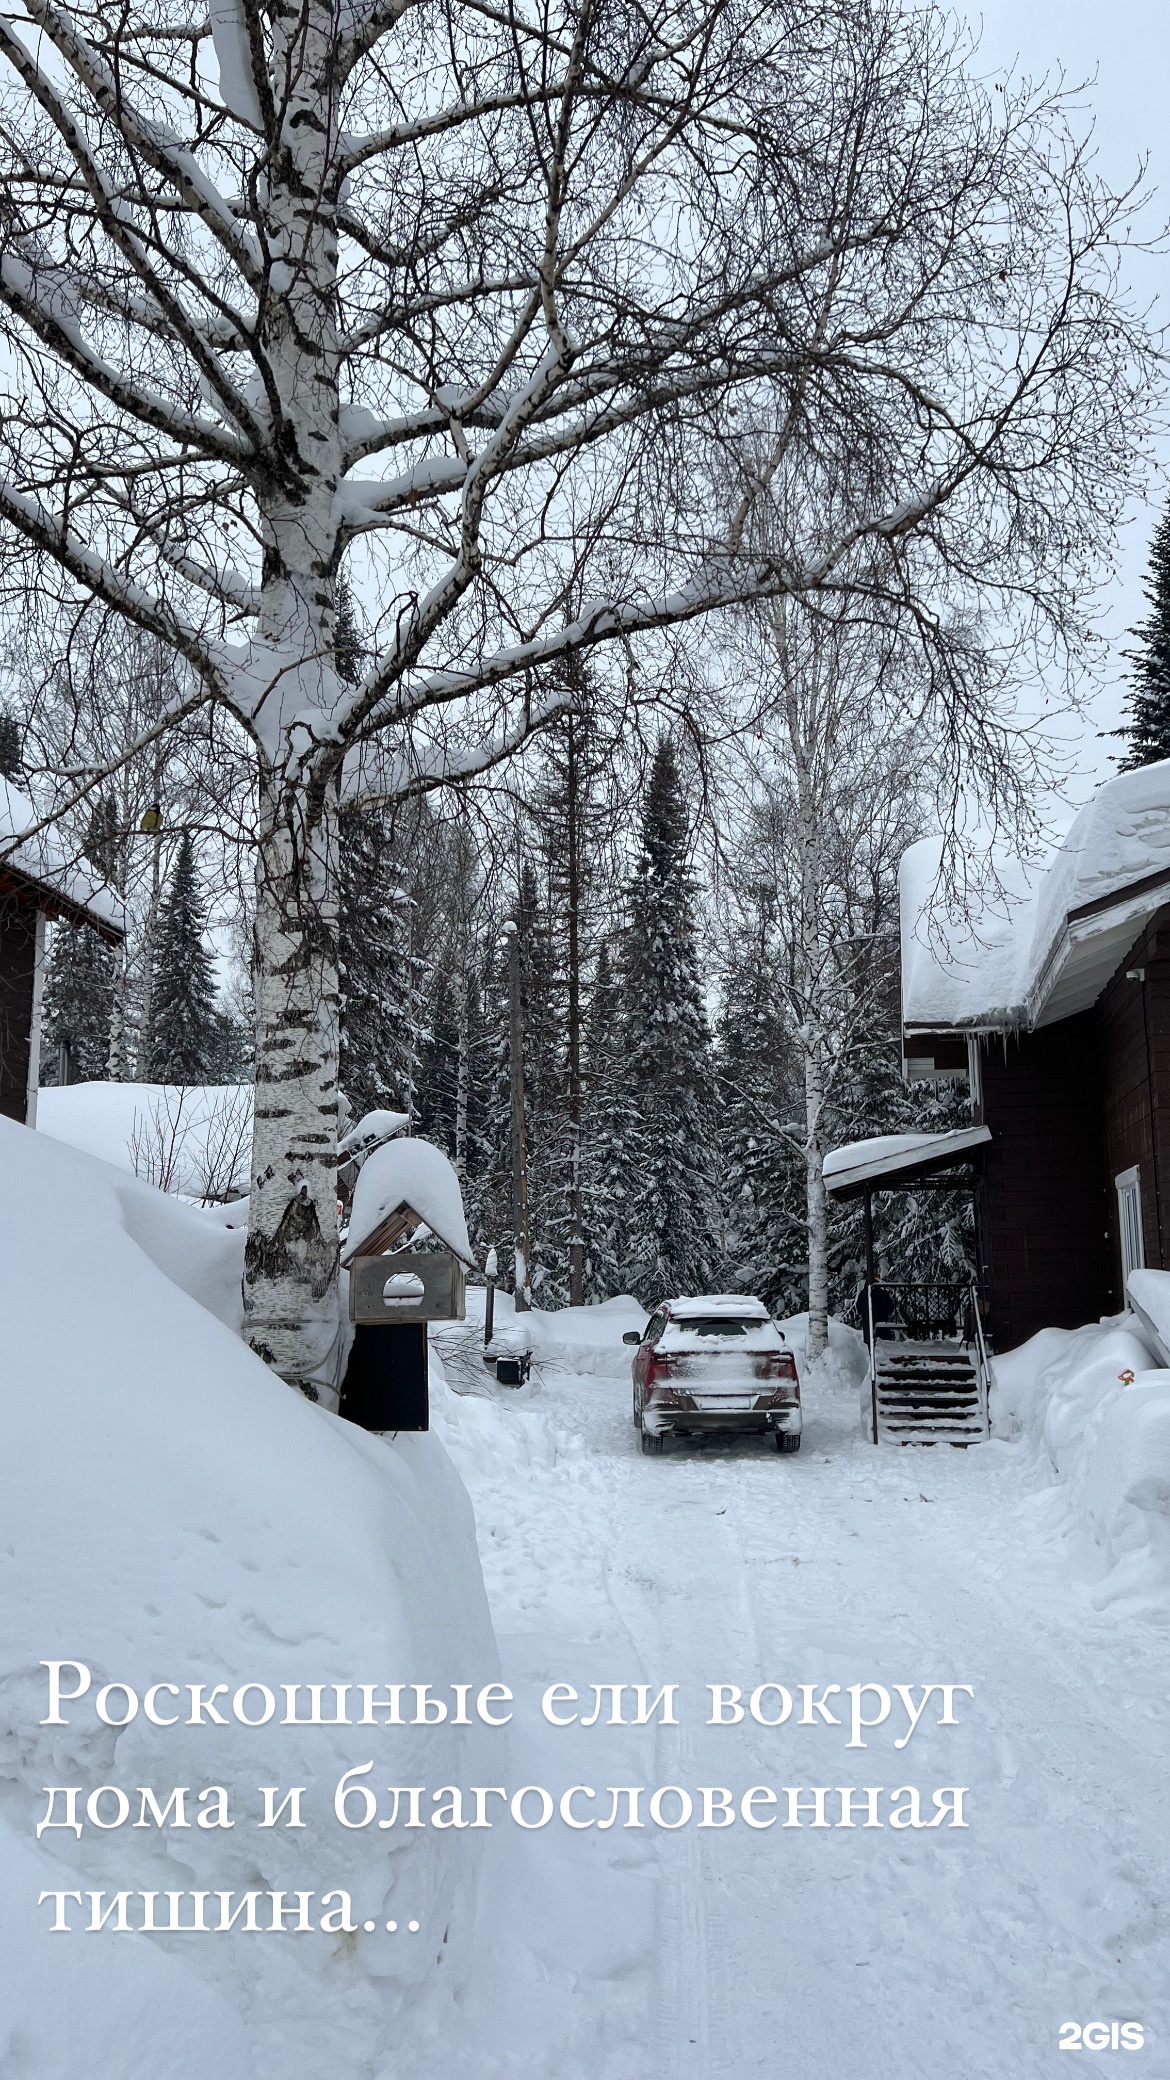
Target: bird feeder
pixel 406 1189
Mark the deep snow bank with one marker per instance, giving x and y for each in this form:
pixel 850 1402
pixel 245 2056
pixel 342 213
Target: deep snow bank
pixel 193 1138
pixel 1096 1410
pixel 172 1513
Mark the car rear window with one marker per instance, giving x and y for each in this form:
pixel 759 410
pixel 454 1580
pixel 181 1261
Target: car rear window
pixel 718 1324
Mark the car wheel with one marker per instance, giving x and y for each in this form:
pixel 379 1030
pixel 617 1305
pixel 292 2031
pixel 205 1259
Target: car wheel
pixel 651 1443
pixel 787 1440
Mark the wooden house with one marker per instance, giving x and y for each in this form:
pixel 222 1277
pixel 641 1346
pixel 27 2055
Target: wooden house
pixel 39 882
pixel 1053 1000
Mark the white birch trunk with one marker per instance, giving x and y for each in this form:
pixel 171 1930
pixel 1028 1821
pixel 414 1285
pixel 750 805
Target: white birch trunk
pixel 290 1275
pixel 291 1264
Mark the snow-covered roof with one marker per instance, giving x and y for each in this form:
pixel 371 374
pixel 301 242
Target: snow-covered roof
pixel 888 1157
pixel 1046 943
pixel 739 1306
pixel 44 863
pixel 408 1173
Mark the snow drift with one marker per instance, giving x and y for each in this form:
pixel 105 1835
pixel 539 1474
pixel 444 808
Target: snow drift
pixel 173 1513
pixel 190 1138
pixel 1094 1407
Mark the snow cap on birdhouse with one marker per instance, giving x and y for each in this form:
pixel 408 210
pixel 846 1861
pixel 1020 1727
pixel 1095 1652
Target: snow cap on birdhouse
pixel 406 1185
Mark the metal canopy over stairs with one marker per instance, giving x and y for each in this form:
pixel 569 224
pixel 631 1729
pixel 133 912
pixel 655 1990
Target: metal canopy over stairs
pixel 929 1375
pixel 929 1392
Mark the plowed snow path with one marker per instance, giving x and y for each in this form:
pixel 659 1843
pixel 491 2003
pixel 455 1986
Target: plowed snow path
pixel 861 1954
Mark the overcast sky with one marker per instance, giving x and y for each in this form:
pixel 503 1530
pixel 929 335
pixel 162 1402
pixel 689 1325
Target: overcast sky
pixel 1121 49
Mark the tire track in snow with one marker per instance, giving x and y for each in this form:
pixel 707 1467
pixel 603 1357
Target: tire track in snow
pixel 702 1601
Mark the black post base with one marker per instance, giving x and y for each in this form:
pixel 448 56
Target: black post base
pixel 386 1380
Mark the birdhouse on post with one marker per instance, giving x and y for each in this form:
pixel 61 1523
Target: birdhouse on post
pixel 407 1253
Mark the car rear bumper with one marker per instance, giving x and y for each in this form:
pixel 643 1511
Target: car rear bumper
pixel 659 1421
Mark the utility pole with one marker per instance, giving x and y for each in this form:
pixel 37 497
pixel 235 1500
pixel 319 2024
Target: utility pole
pixel 520 1230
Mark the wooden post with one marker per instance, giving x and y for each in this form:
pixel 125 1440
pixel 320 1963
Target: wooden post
pixel 489 1309
pixel 521 1237
pixel 869 1310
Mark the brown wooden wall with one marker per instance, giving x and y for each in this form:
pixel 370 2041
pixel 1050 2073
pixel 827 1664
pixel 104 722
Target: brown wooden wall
pixel 1048 1235
pixel 1133 1023
pixel 17 966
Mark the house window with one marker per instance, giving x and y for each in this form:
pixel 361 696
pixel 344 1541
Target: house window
pixel 1129 1216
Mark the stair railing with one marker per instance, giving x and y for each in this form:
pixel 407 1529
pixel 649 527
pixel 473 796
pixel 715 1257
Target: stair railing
pixel 982 1361
pixel 872 1360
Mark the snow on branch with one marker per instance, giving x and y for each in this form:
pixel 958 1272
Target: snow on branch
pixel 376 775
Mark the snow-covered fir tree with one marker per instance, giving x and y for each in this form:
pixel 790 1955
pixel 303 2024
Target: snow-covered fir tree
pixel 576 814
pixel 1148 725
pixel 185 1041
pixel 542 1018
pixel 670 1154
pixel 606 1152
pixel 765 1230
pixel 378 1022
pixel 76 1008
pixel 489 1212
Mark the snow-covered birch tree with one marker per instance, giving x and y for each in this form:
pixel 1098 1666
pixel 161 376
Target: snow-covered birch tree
pixel 460 301
pixel 839 793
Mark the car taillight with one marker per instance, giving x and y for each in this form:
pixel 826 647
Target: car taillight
pixel 781 1365
pixel 660 1365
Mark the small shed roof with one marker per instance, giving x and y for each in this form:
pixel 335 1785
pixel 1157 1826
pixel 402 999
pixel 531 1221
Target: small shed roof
pixel 408 1176
pixel 887 1162
pixel 43 865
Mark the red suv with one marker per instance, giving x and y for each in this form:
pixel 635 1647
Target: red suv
pixel 716 1362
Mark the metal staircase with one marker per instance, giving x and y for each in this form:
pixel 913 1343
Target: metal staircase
pixel 929 1392
pixel 929 1388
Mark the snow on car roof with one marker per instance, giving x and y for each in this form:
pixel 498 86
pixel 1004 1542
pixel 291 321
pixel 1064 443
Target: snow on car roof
pixel 740 1306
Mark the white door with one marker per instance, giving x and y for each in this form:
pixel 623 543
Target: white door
pixel 1129 1215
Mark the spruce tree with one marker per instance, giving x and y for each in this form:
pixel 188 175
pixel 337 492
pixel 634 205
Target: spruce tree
pixel 185 1039
pixel 437 1087
pixel 77 1005
pixel 542 1010
pixel 378 1025
pixel 378 1056
pixel 1149 707
pixel 606 1152
pixel 576 814
pixel 761 1166
pixel 671 1169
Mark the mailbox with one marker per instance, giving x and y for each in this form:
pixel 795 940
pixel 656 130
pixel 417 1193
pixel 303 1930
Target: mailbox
pixel 407 1286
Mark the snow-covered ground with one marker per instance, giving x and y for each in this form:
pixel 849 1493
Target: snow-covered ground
pixel 727 1954
pixel 172 1513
